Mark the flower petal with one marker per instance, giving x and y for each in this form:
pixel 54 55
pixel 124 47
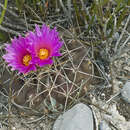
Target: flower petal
pixel 15 53
pixel 45 38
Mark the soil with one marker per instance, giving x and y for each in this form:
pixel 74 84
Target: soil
pixel 38 98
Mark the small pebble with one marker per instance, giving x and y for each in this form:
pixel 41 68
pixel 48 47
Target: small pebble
pixel 116 36
pixel 125 92
pixel 104 125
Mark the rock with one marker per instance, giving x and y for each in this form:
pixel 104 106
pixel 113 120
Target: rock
pixel 126 92
pixel 104 126
pixel 116 36
pixel 79 117
pixel 3 128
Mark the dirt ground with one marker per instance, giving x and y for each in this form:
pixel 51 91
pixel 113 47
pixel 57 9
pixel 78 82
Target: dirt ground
pixel 92 69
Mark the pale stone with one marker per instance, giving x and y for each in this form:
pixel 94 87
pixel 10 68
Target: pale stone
pixel 126 92
pixel 79 117
pixel 104 126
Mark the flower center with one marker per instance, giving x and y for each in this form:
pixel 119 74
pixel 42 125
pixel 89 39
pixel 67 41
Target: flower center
pixel 26 59
pixel 43 53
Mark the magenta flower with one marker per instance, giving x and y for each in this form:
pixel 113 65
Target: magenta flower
pixel 35 49
pixel 18 55
pixel 44 44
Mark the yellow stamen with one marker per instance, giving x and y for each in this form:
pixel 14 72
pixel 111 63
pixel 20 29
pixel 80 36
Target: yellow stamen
pixel 26 59
pixel 43 54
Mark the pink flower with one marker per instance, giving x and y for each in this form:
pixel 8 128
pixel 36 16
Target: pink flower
pixel 18 56
pixel 37 48
pixel 45 44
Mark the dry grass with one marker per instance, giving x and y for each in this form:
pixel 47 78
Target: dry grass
pixel 88 57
